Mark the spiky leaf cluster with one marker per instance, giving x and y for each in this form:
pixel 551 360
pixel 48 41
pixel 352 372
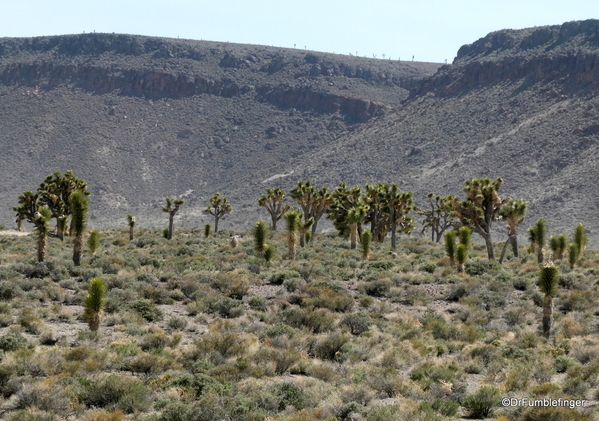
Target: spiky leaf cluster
pixel 272 201
pixel 548 280
pixel 94 302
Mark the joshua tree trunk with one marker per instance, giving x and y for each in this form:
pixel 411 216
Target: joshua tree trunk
pixel 291 241
pixel 547 315
pixel 215 224
pixel 42 245
pixel 61 222
pixel 171 217
pixel 513 240
pixel 77 248
pixel 353 235
pixel 302 236
pixel 274 222
pixel 130 233
pixel 489 244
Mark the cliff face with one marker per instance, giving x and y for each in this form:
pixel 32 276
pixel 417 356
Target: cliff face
pixel 155 68
pixel 567 53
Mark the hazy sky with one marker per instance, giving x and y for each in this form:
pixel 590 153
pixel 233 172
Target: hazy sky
pixel 430 30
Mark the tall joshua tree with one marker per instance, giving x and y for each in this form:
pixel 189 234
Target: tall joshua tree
pixel 343 199
pixel 293 220
pixel 438 218
pixel 31 210
pixel 172 207
pixel 548 282
pixel 79 209
pixel 94 302
pixel 131 222
pixel 374 197
pixel 272 201
pixel 397 206
pixel 219 206
pixel 354 217
pixel 481 208
pixel 55 193
pixel 580 239
pixel 313 202
pixel 513 212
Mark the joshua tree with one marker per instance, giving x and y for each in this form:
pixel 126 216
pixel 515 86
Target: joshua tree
pixel 292 218
pixel 219 206
pixel 580 239
pixel 573 255
pixel 304 234
pixel 540 235
pixel 450 248
pixel 55 193
pixel 354 217
pixel 131 223
pixel 438 218
pixel 93 241
pixel 373 197
pixel 342 201
pixel 272 201
pixel 397 206
pixel 94 303
pixel 31 210
pixel 313 202
pixel 558 244
pixel 172 207
pixel 269 252
pixel 481 207
pixel 366 242
pixel 206 230
pixel 79 209
pixel 260 235
pixel 513 212
pixel 548 281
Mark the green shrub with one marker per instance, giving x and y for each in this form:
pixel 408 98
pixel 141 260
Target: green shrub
pixel 113 392
pixel 482 404
pixel 290 394
pixel 279 277
pixel 329 347
pixel 12 342
pixel 479 267
pixel 147 309
pixel 357 323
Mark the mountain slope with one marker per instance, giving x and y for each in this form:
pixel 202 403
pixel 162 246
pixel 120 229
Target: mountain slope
pixel 143 118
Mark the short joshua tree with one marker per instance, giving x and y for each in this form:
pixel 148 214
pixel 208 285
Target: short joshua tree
pixel 219 206
pixel 292 218
pixel 79 210
pixel 93 241
pixel 172 207
pixel 131 222
pixel 260 235
pixel 366 242
pixel 94 303
pixel 548 283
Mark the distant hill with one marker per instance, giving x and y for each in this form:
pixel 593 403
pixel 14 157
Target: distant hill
pixel 143 118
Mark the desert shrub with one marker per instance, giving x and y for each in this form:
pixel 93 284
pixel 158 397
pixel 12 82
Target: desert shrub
pixel 442 406
pixel 563 363
pixel 521 284
pixel 327 297
pixel 12 342
pixel 118 299
pixel 149 261
pixel 428 373
pixel 113 392
pixel 482 403
pixel 25 415
pixel 290 394
pixel 279 277
pixel 553 414
pixel 227 307
pixel 177 323
pixel 225 344
pixel 384 413
pixel 357 323
pixel 577 300
pixel 457 292
pixel 329 347
pixel 258 303
pixel 147 309
pixel 479 267
pixel 378 287
pixel 37 395
pixel 378 265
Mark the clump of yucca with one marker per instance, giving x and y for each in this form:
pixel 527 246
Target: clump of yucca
pixel 93 241
pixel 260 234
pixel 94 303
pixel 365 243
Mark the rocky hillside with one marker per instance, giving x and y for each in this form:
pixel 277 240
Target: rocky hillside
pixel 518 104
pixel 143 118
